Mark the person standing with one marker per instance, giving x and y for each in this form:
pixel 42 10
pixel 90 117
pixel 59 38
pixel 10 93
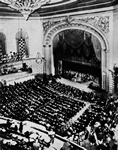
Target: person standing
pixel 51 134
pixel 21 127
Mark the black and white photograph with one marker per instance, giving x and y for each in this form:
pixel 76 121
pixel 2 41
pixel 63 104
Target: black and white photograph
pixel 58 74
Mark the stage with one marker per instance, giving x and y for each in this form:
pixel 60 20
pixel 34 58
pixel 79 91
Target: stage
pixel 81 86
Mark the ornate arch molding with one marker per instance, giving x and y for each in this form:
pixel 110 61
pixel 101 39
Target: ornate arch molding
pixel 59 26
pixel 49 35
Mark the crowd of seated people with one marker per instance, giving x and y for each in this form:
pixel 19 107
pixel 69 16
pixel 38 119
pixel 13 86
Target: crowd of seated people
pixel 69 91
pixel 8 70
pixel 103 110
pixel 33 100
pixel 96 128
pixel 14 56
pixel 12 138
pixel 22 98
pixel 79 77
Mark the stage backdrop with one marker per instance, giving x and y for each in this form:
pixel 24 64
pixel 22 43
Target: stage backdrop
pixel 77 47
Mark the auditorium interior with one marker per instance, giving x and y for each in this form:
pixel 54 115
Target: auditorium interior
pixel 58 74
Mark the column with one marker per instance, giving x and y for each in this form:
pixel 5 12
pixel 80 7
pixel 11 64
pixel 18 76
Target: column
pixel 44 61
pixel 47 55
pixel 109 67
pixel 52 60
pixel 107 71
pixel 103 72
pixel 104 69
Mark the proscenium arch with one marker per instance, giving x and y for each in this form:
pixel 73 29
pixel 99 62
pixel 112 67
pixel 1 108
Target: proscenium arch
pixel 53 31
pixel 50 34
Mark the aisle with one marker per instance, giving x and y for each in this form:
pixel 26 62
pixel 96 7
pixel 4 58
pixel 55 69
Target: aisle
pixel 74 119
pixel 80 86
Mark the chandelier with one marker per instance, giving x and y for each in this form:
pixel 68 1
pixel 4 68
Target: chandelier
pixel 25 7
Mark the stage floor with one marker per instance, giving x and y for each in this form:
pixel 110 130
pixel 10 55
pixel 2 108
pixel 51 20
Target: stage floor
pixel 81 86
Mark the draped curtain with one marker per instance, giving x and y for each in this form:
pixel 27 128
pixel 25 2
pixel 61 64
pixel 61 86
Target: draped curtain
pixel 74 38
pixel 78 45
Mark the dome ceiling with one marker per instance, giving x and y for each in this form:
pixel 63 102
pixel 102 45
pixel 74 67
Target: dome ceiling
pixel 55 7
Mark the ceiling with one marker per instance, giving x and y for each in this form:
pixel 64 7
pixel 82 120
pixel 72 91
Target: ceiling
pixel 55 7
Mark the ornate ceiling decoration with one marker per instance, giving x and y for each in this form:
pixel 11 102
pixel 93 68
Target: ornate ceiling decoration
pixel 46 8
pixel 25 7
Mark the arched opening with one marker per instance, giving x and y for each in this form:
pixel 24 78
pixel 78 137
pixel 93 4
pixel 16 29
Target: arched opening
pixel 77 56
pixel 2 47
pixel 22 44
pixel 88 29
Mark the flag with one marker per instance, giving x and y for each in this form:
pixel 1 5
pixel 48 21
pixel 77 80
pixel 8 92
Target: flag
pixel 21 45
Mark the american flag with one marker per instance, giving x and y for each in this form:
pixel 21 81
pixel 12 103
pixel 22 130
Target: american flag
pixel 21 45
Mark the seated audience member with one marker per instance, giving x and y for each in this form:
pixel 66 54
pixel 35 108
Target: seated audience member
pixel 55 104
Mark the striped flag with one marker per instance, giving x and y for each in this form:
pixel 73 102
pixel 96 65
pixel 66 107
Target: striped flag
pixel 21 44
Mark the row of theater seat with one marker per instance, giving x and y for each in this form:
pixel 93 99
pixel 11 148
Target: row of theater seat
pixel 32 100
pixel 92 97
pixel 103 110
pixel 40 103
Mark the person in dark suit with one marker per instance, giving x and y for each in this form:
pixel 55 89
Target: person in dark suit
pixel 21 127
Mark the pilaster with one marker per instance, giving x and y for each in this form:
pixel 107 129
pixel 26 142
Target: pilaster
pixel 47 56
